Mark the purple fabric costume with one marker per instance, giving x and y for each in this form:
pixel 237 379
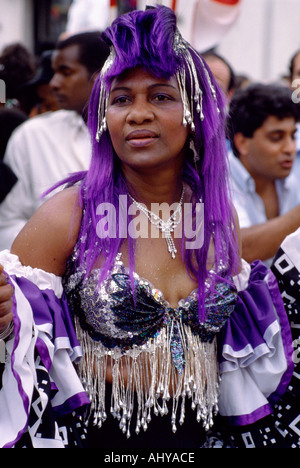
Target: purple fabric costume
pixel 254 348
pixel 235 359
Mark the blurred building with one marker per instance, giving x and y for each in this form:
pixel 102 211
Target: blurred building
pixel 49 17
pixel 264 38
pixel 259 44
pixel 35 23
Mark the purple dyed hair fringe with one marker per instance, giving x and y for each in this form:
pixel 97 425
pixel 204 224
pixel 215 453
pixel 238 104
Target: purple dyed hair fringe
pixel 146 39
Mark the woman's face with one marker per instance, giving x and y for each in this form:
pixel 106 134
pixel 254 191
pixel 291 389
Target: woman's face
pixel 144 119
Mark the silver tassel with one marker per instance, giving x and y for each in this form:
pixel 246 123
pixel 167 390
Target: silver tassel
pixel 103 97
pixel 145 380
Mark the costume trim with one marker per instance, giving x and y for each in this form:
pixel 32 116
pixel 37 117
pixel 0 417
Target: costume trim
pixel 44 337
pixel 256 352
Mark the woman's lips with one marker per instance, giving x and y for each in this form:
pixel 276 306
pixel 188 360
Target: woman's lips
pixel 140 138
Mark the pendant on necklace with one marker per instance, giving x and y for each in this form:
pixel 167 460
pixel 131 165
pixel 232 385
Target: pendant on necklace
pixel 166 227
pixel 170 242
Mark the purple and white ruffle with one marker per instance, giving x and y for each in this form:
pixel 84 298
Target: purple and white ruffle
pixel 41 323
pixel 255 349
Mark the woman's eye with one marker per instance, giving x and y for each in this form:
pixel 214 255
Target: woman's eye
pixel 162 97
pixel 120 100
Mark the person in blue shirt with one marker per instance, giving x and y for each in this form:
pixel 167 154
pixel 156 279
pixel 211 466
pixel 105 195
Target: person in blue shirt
pixel 262 125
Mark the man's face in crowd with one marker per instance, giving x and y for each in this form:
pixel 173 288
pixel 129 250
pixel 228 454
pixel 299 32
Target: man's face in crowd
pixel 71 82
pixel 271 151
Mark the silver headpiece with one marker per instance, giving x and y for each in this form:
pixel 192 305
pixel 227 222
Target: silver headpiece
pixel 103 98
pixel 181 47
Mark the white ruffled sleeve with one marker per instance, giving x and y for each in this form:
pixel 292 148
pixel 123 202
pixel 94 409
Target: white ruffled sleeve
pixel 256 352
pixel 43 336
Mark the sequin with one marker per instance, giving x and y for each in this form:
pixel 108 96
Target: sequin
pixel 113 315
pixel 167 352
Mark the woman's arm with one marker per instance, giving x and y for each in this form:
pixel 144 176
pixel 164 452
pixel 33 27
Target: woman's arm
pixel 261 241
pixel 45 242
pixel 49 237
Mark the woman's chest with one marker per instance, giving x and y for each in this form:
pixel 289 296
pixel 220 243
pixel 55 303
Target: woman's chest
pixel 166 274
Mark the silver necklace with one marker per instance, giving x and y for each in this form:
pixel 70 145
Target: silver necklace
pixel 166 227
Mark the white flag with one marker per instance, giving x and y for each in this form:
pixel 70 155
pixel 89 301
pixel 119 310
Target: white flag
pixel 203 23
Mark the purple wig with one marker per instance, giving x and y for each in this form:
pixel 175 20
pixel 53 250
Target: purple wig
pixel 148 39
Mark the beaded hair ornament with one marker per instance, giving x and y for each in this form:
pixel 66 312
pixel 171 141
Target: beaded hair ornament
pixel 181 48
pixel 176 355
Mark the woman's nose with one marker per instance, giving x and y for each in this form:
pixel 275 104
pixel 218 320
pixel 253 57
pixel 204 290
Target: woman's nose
pixel 140 111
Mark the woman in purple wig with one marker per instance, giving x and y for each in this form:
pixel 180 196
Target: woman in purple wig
pixel 133 322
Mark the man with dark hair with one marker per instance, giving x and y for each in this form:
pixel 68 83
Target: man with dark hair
pixel 222 71
pixel 17 67
pixel 76 61
pixel 261 128
pixel 49 147
pixel 294 66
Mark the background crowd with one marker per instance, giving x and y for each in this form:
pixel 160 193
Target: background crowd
pixel 44 135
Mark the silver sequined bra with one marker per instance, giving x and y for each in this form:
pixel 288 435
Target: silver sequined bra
pixel 157 355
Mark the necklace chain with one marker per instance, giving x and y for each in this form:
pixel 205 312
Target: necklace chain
pixel 166 227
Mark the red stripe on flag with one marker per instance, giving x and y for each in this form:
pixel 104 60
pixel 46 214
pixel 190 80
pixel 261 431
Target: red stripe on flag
pixel 113 3
pixel 227 2
pixel 174 5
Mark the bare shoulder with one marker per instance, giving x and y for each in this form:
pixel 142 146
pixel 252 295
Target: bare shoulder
pixel 49 237
pixel 237 229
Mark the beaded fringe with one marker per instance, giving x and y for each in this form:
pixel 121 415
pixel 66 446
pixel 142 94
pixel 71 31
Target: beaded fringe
pixel 152 383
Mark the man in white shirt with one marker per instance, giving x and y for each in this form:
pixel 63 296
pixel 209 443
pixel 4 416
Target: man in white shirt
pixel 262 128
pixel 47 148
